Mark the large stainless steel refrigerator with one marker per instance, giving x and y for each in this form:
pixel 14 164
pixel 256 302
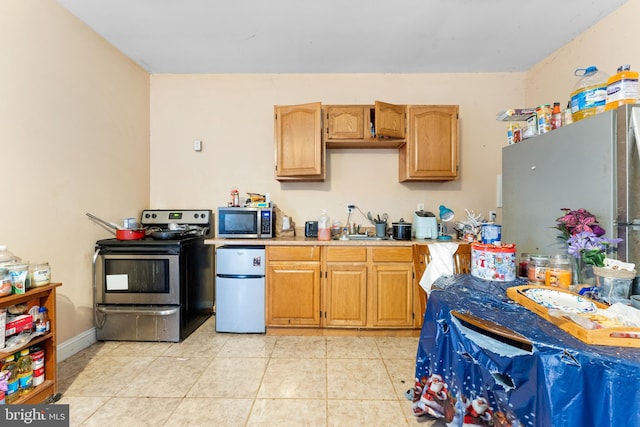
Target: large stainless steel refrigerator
pixel 592 164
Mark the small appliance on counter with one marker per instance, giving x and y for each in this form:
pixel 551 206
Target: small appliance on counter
pixel 401 230
pixel 311 229
pixel 425 225
pixel 246 222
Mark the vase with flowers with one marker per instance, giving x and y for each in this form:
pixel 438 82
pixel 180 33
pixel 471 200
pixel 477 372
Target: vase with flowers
pixel 585 240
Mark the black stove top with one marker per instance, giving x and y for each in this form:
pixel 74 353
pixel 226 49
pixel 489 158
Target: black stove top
pixel 147 241
pixel 199 221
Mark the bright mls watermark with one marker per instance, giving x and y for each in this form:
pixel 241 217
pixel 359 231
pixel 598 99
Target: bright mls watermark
pixel 34 415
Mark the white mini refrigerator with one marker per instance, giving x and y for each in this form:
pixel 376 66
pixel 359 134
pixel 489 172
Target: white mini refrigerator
pixel 240 289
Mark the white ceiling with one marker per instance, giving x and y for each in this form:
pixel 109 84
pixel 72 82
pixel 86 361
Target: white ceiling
pixel 338 36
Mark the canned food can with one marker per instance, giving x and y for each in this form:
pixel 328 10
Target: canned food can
pixel 543 117
pixel 38 376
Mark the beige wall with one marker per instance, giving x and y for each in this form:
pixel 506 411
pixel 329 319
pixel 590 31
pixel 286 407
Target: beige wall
pixel 83 129
pixel 233 116
pixel 607 45
pixel 74 138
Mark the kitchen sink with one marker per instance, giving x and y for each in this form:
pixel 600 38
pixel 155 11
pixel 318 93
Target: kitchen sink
pixel 365 237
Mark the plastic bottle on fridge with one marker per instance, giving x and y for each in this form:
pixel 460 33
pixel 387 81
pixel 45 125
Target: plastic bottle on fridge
pixel 589 95
pixel 324 226
pixel 622 88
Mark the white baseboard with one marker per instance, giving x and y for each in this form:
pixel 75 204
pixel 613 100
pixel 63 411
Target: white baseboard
pixel 76 344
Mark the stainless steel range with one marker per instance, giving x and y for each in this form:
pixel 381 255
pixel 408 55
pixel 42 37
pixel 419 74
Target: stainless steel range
pixel 159 288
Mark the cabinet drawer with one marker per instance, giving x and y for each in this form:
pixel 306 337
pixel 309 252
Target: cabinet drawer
pixel 293 253
pixel 348 254
pixel 397 254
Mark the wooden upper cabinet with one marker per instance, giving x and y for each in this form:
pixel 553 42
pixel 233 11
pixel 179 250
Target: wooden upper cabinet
pixel 346 122
pixel 350 126
pixel 390 120
pixel 426 137
pixel 431 151
pixel 299 144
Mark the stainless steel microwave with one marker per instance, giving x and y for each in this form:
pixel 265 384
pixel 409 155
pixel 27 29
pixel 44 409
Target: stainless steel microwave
pixel 246 223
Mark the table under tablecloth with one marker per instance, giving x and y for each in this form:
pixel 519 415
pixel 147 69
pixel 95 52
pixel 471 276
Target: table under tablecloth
pixel 558 381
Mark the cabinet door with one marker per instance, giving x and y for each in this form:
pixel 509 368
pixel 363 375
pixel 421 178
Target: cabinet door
pixel 390 120
pixel 391 299
pixel 431 151
pixel 293 293
pixel 346 122
pixel 299 146
pixel 345 291
pixel 346 295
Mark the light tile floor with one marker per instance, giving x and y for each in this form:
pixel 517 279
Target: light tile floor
pixel 242 380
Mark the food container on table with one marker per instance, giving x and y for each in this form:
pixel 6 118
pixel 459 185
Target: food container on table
pixel 493 262
pixel 491 233
pixel 614 285
pixel 558 272
pixel 536 273
pixel 523 265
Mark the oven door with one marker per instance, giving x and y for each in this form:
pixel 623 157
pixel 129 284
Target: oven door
pixel 136 278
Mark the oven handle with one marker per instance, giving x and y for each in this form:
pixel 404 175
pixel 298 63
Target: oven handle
pixel 141 311
pixel 99 322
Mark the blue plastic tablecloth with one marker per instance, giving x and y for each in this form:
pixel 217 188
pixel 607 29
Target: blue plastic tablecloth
pixel 467 378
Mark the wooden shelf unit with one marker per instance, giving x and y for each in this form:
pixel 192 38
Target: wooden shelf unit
pixel 47 298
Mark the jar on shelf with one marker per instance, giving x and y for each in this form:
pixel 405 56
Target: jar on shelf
pixel 558 272
pixel 5 282
pixel 537 268
pixel 39 274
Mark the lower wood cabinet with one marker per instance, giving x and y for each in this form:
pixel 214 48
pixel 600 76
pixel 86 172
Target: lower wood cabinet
pixel 345 288
pixel 293 286
pixel 391 301
pixel 340 287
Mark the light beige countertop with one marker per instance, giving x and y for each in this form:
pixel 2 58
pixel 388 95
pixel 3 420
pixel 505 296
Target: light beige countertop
pixel 312 241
